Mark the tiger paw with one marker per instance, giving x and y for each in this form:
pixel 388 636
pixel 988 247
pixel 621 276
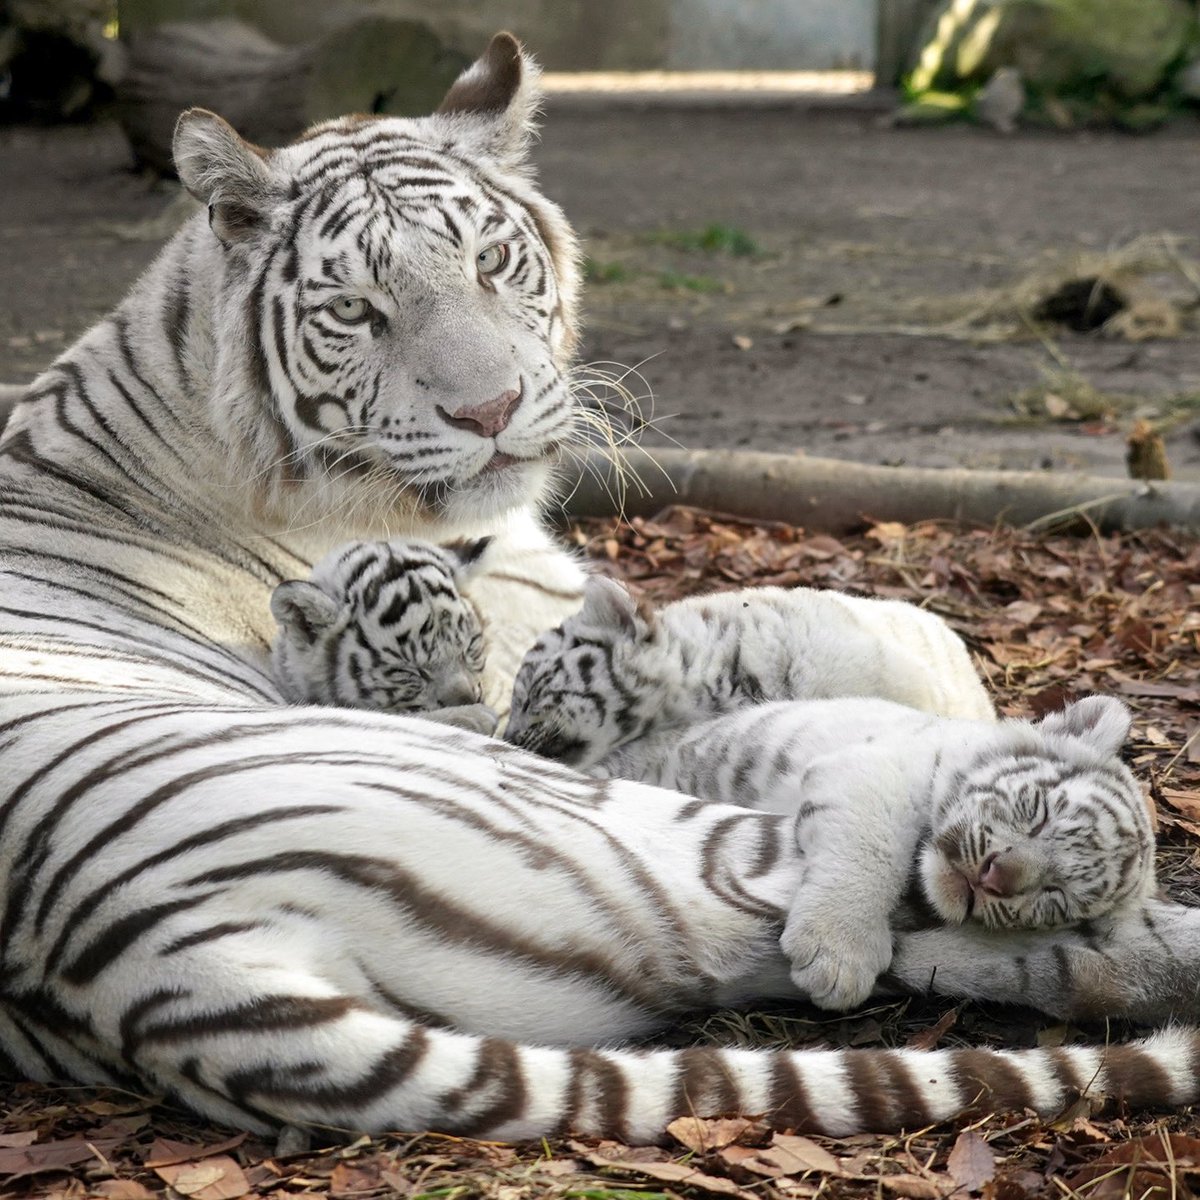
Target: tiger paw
pixel 835 968
pixel 475 718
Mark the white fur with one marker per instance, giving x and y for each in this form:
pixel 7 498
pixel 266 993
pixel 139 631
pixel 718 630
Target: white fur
pixel 718 653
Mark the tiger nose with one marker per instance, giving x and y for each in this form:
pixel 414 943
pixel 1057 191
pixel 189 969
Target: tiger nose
pixel 999 876
pixel 486 419
pixel 461 689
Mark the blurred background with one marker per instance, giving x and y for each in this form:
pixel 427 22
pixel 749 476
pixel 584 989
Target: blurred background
pixel 930 232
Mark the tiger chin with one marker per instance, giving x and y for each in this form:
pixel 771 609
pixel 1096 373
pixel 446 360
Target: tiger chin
pixel 306 915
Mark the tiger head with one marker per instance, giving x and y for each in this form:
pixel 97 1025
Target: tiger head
pixel 1042 826
pixel 393 306
pixel 383 626
pixel 594 683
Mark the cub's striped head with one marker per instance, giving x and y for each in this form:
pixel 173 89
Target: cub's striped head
pixel 394 306
pixel 1044 827
pixel 588 686
pixel 382 625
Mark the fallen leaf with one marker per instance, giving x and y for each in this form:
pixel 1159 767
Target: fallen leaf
pixel 702 1135
pixel 915 1187
pixel 166 1153
pixel 674 1172
pixel 217 1178
pixel 971 1163
pixel 928 1039
pixel 1145 687
pixel 786 1155
pixel 121 1189
pixel 17 1161
pixel 25 1138
pixel 742 342
pixel 1187 803
pixel 355 1179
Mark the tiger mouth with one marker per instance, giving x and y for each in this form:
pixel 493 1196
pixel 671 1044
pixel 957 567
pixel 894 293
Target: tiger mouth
pixel 500 461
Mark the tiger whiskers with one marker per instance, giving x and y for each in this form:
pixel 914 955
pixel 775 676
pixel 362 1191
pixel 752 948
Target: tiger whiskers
pixel 602 391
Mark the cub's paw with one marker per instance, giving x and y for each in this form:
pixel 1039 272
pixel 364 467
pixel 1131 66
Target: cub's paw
pixel 835 968
pixel 475 718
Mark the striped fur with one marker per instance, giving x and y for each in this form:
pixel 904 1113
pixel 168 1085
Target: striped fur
pixel 281 914
pixel 615 672
pixel 385 626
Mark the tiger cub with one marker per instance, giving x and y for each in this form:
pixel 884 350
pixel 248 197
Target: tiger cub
pixel 616 670
pixel 386 626
pixel 1010 824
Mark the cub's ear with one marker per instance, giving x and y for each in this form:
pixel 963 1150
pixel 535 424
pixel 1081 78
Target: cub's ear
pixel 301 608
pixel 609 605
pixel 471 555
pixel 1101 721
pixel 497 95
pixel 224 171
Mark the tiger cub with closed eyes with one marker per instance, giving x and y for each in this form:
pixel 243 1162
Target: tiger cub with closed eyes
pixel 616 670
pixel 1011 824
pixel 386 626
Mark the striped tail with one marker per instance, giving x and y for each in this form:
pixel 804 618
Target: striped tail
pixel 346 1066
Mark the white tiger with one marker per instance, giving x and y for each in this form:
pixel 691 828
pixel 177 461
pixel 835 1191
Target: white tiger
pixel 617 671
pixel 386 626
pixel 281 914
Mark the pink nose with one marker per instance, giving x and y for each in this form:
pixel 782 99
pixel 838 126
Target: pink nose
pixel 486 419
pixel 995 877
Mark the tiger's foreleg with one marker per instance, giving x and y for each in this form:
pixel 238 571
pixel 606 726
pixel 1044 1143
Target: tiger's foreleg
pixel 856 828
pixel 1141 962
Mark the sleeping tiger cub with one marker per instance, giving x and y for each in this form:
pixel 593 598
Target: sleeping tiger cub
pixel 1011 824
pixel 615 670
pixel 386 626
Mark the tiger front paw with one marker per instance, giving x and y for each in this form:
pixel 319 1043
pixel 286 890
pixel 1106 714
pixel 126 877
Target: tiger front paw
pixel 835 968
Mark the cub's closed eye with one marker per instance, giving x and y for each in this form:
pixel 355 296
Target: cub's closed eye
pixel 490 260
pixel 350 310
pixel 1039 826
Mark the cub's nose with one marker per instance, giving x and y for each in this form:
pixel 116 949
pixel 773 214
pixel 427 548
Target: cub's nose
pixel 486 419
pixel 459 689
pixel 1000 875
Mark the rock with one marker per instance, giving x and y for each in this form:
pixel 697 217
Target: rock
pixel 1122 46
pixel 1001 100
pixel 271 93
pixel 1187 82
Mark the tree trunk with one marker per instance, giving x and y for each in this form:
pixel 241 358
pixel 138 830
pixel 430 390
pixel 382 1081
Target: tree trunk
pixel 838 497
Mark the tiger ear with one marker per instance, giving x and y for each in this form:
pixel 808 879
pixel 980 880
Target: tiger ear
pixel 224 171
pixel 301 608
pixel 610 606
pixel 500 93
pixel 1101 721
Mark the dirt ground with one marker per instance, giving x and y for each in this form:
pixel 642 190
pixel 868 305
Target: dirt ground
pixel 865 292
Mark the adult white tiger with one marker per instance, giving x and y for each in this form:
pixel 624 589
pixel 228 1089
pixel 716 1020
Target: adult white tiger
pixel 275 913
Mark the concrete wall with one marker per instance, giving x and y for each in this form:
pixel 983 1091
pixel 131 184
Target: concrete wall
pixel 771 35
pixel 569 35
